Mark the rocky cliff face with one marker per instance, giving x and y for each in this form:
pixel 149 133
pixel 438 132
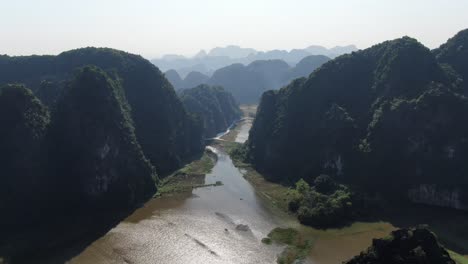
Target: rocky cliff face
pixel 385 118
pixel 444 196
pixel 408 246
pixel 95 154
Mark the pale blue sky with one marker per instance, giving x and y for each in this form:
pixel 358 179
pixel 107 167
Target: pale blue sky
pixel 155 27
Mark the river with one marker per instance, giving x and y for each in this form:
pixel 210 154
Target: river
pixel 218 224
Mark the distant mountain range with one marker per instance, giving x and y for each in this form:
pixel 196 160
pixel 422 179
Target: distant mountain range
pixel 248 82
pixel 208 62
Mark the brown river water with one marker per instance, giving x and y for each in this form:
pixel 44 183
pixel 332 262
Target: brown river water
pixel 204 227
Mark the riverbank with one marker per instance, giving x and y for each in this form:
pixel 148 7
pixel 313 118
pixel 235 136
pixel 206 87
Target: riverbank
pixel 192 175
pixel 329 246
pixel 336 245
pixel 227 223
pixel 239 133
pixel 189 177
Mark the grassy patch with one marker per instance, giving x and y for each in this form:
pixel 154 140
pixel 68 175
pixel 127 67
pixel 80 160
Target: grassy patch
pixel 276 194
pixel 267 241
pixel 201 166
pixel 298 246
pixel 284 235
pixel 459 259
pixel 231 136
pixel 189 177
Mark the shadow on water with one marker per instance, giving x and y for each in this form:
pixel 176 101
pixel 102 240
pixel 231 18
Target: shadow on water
pixel 40 235
pixel 55 237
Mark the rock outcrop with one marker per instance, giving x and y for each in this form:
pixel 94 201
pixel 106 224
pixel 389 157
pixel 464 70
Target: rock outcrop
pixel 405 246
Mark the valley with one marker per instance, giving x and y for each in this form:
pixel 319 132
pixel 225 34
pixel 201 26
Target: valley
pixel 226 223
pixel 235 155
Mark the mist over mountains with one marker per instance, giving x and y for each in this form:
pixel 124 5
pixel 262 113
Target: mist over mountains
pixel 208 62
pixel 248 82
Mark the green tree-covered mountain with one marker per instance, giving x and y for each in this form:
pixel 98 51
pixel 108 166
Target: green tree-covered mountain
pixel 305 67
pixel 94 154
pixel 25 121
pixel 216 107
pixel 455 54
pixel 164 130
pixel 388 116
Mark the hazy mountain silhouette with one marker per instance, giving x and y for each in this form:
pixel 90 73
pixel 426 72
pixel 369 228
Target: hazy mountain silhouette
pixel 231 51
pixel 192 79
pixel 208 62
pixel 247 83
pixel 174 78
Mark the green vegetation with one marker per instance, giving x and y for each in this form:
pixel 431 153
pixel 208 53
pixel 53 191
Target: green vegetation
pixel 237 152
pixel 455 54
pixel 94 144
pixel 415 245
pixel 166 133
pixel 267 241
pixel 25 121
pixel 459 259
pixel 202 165
pixel 189 177
pixel 214 106
pixel 386 119
pixel 326 204
pixel 297 246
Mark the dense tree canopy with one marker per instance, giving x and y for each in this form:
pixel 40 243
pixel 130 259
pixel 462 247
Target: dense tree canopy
pixel 25 121
pixel 93 147
pixel 455 54
pixel 164 130
pixel 390 115
pixel 216 107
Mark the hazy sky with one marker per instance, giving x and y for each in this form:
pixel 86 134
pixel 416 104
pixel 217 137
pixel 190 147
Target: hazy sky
pixel 155 27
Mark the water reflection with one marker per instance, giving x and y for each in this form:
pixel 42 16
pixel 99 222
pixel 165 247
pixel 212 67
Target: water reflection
pixel 222 224
pixel 243 134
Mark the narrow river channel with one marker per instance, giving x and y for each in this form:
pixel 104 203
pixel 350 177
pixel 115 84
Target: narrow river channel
pixel 218 224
